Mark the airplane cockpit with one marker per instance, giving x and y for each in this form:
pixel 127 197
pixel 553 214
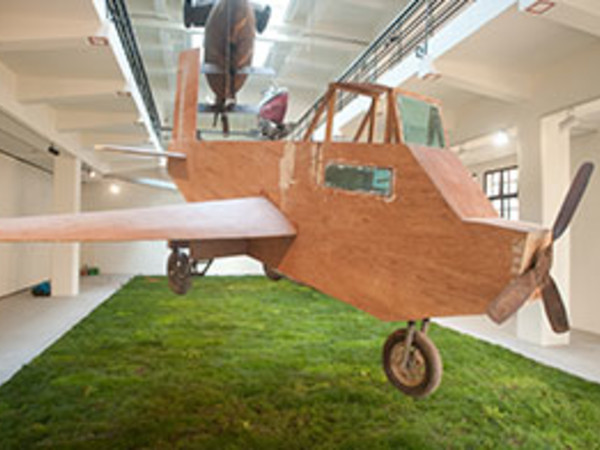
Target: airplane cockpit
pixel 392 116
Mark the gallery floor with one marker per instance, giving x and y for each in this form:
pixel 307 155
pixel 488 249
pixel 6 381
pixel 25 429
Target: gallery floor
pixel 29 325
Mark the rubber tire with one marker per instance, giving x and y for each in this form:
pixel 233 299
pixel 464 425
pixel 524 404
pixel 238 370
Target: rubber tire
pixel 271 274
pixel 183 281
pixel 433 363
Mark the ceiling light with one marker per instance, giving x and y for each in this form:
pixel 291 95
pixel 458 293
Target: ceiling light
pixel 98 41
pixel 501 139
pixel 540 7
pixel 93 174
pixel 114 189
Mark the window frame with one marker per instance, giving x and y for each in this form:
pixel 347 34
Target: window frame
pixel 370 194
pixel 399 92
pixel 502 196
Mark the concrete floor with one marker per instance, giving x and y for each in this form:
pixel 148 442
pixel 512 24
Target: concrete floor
pixel 29 325
pixel 580 358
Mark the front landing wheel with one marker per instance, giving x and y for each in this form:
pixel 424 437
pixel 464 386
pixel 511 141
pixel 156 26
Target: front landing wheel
pixel 271 274
pixel 179 269
pixel 418 373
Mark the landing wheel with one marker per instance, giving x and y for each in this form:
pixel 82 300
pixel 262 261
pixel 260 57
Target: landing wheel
pixel 179 271
pixel 417 373
pixel 272 274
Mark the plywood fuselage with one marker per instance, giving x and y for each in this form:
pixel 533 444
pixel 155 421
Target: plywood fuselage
pixel 405 257
pixel 434 248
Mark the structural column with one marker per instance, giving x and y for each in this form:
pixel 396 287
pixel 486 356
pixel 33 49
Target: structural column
pixel 67 200
pixel 555 167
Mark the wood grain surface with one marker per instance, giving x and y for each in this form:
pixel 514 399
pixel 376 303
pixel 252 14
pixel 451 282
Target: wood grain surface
pixel 434 248
pixel 247 218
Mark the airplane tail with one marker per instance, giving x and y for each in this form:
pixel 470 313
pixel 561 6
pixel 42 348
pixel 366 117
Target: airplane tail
pixel 537 277
pixel 186 99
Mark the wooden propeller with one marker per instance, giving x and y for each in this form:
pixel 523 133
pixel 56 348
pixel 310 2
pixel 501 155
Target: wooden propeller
pixel 537 277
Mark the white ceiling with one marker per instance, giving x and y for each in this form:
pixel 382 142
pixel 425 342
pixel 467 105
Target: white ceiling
pixel 75 91
pixel 79 87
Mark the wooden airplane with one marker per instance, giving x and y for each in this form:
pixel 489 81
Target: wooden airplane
pixel 230 30
pixel 394 226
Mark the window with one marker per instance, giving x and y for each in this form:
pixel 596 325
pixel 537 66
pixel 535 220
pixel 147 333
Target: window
pixel 421 122
pixel 371 180
pixel 502 188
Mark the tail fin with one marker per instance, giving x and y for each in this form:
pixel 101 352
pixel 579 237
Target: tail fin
pixel 186 99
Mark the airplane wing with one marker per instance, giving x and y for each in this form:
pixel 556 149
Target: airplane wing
pixel 244 218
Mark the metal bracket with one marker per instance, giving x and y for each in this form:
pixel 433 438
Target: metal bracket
pixel 410 337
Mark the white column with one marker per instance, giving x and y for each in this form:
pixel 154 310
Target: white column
pixel 67 200
pixel 555 165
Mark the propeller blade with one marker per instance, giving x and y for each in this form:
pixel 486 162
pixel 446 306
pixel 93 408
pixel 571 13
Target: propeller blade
pixel 512 297
pixel 555 308
pixel 572 200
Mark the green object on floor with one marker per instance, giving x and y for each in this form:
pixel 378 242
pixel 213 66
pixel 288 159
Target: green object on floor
pixel 247 363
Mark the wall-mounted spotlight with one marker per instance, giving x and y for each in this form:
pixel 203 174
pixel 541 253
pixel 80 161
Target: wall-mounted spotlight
pixel 569 121
pixel 53 150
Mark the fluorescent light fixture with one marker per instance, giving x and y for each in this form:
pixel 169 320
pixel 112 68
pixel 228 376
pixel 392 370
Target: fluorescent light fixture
pixel 114 189
pixel 262 50
pixel 501 139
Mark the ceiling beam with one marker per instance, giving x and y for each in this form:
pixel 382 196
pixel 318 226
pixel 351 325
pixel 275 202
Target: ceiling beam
pixel 484 80
pixel 48 90
pixel 74 120
pixel 91 139
pixel 582 15
pixel 53 35
pixel 281 36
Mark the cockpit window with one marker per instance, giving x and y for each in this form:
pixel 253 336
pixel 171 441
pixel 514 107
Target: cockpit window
pixel 421 122
pixel 367 179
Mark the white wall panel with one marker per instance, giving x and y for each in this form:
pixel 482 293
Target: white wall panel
pixel 143 258
pixel 24 191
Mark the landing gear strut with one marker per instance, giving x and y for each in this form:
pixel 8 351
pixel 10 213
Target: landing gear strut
pixel 411 361
pixel 181 268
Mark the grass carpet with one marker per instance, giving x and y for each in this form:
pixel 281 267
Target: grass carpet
pixel 247 363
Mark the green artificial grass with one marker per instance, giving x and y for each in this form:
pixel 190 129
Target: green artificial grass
pixel 248 363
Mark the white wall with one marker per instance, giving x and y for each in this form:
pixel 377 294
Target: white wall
pixel 24 190
pixel 142 258
pixel 585 241
pixel 481 168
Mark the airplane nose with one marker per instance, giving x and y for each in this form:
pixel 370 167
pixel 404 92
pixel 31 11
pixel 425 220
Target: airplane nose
pixel 537 277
